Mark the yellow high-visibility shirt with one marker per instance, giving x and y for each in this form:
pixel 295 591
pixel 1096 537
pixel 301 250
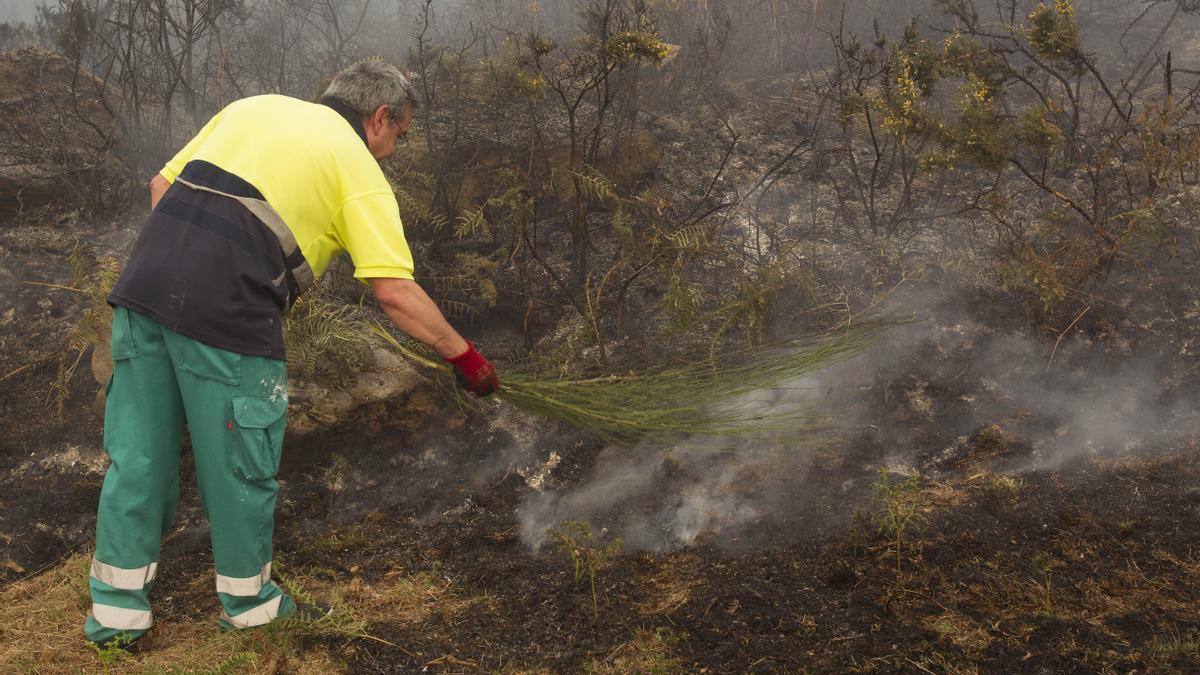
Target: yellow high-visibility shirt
pixel 314 170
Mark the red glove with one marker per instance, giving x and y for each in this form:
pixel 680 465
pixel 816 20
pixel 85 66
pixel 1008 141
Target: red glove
pixel 474 373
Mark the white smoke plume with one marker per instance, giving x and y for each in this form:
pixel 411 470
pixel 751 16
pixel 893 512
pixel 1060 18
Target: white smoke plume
pixel 913 400
pixel 660 499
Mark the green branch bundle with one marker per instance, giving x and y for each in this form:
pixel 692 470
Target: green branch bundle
pixel 730 395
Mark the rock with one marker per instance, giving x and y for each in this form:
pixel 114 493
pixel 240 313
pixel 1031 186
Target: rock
pixel 314 405
pixel 102 362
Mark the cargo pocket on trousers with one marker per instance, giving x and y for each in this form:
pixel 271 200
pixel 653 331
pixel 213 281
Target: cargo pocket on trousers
pixel 122 345
pixel 122 348
pixel 259 422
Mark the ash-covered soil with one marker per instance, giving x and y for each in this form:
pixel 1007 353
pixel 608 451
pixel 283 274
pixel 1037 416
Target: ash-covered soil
pixel 1046 537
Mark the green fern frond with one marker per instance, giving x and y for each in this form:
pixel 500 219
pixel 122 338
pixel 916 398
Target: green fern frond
pixel 437 221
pixel 690 238
pixel 408 203
pixel 470 224
pixel 323 340
pixel 441 285
pixel 458 311
pixel 592 184
pixel 424 179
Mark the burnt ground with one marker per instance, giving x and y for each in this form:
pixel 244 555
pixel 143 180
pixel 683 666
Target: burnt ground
pixel 1090 567
pixel 1082 569
pixel 1012 563
pixel 1035 545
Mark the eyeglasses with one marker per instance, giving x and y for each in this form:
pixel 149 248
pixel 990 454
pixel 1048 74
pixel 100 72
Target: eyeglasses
pixel 402 136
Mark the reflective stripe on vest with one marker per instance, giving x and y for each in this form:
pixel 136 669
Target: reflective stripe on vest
pixel 121 618
pixel 121 578
pixel 244 586
pixel 294 260
pixel 264 613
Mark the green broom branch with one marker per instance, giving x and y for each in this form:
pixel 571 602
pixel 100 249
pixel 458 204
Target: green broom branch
pixel 706 399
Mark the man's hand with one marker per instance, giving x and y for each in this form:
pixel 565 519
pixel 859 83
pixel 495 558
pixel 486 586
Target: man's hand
pixel 158 187
pixel 474 373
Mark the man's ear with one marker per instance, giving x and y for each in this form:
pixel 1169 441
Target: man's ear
pixel 379 117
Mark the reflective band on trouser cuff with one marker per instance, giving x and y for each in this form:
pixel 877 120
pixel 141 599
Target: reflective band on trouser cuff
pixel 244 585
pixel 122 578
pixel 121 618
pixel 264 613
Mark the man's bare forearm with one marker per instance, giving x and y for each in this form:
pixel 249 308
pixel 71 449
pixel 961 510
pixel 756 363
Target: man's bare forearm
pixel 412 310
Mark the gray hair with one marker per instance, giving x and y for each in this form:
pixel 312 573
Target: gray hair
pixel 366 85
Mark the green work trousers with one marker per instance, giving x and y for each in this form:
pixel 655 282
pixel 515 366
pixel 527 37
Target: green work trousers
pixel 235 408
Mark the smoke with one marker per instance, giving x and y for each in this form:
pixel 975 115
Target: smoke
pixel 950 393
pixel 1092 393
pixel 661 499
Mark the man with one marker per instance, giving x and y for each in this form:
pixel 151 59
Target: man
pixel 242 220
